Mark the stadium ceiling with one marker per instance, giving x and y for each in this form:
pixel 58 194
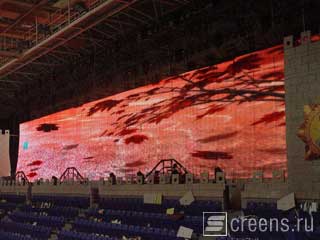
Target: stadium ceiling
pixel 37 35
pixel 52 51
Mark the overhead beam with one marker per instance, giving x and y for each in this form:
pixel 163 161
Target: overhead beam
pixel 20 3
pixel 10 54
pixel 44 64
pixel 106 34
pixel 133 17
pixel 4 25
pixel 21 17
pixel 13 35
pixel 9 81
pixel 14 15
pixel 28 5
pixel 19 64
pixel 62 4
pixel 141 13
pixel 62 52
pixel 21 9
pixel 26 73
pixel 122 22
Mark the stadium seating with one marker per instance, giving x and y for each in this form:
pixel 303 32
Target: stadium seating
pixel 7 206
pixel 53 221
pixel 50 214
pixel 70 235
pixel 130 217
pixel 118 230
pixel 136 204
pixel 18 199
pixel 80 202
pixel 66 212
pixel 35 231
pixel 13 236
pixel 157 220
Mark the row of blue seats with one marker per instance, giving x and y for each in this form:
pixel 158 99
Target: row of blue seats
pixel 37 232
pixel 126 213
pixel 262 205
pixel 70 235
pixel 263 209
pixel 118 230
pixel 51 221
pixel 78 202
pixel 13 198
pixel 159 220
pixel 7 206
pixel 13 236
pixel 67 212
pixel 196 208
pixel 165 202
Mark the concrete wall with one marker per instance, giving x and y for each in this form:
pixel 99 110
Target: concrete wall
pixel 13 125
pixel 205 191
pixel 302 86
pixel 270 191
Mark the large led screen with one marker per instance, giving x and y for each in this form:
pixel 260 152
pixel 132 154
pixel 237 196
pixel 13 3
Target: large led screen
pixel 230 115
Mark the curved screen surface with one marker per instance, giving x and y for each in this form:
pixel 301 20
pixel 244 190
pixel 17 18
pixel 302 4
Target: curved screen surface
pixel 231 115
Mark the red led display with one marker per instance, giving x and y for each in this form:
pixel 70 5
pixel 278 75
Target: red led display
pixel 230 115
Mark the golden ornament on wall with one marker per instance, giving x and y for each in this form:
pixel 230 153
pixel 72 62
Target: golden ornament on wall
pixel 309 131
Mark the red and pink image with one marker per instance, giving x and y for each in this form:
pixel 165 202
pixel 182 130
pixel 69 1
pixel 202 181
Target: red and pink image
pixel 230 115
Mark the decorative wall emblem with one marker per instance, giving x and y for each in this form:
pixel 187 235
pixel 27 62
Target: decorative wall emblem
pixel 309 131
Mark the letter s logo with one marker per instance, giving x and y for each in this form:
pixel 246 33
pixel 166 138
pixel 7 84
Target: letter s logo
pixel 215 223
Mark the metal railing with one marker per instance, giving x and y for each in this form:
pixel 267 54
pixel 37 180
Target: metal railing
pixel 39 32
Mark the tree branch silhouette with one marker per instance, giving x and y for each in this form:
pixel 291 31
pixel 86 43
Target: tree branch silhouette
pixel 236 87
